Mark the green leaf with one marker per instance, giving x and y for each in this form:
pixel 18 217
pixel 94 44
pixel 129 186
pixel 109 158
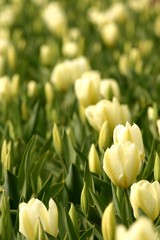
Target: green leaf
pixel 61 221
pixel 74 183
pixel 128 209
pixel 158 231
pixel 11 183
pixel 38 166
pixel 30 127
pixel 45 187
pixel 25 167
pixel 69 152
pixel 117 204
pixel 97 231
pixel 88 178
pixel 6 229
pixel 71 231
pixel 150 163
pixel 54 190
pixel 88 234
pixel 98 203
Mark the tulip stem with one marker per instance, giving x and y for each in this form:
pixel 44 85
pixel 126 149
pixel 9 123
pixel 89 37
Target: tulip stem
pixel 128 209
pixel 13 211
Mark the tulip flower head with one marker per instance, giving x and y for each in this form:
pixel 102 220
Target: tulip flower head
pixel 111 111
pixel 108 223
pixel 146 196
pixel 33 211
pixel 142 229
pixel 130 133
pixel 121 163
pixel 87 88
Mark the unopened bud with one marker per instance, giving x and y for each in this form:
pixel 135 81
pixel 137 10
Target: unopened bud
pixel 57 140
pixel 158 126
pixel 108 223
pixel 48 90
pixel 84 199
pixel 15 84
pixel 157 168
pixel 11 56
pixel 94 161
pixel 5 154
pixel 104 137
pixel 32 88
pixel 73 216
pixel 110 34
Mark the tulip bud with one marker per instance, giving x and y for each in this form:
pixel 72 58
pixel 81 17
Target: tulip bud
pixel 5 88
pixel 57 140
pixel 49 94
pixel 82 113
pixel 108 223
pixel 122 163
pixel 70 49
pixel 105 110
pixel 11 56
pixel 157 27
pixel 5 218
pixel 2 63
pixel 32 212
pixel 73 216
pixel 123 65
pixel 119 12
pixel 121 134
pixel 141 229
pixel 15 84
pixel 145 47
pixel 5 155
pixel 104 136
pixel 94 161
pixel 146 196
pixel 158 126
pixel 32 89
pixel 110 34
pixel 109 88
pixel 151 114
pixel 157 168
pixel 84 199
pixel 54 18
pixel 71 136
pixel 87 88
pixel 46 54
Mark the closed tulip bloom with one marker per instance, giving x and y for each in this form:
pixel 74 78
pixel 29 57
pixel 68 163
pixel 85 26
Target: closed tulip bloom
pixel 55 18
pixel 110 34
pixel 108 223
pixel 121 163
pixel 130 133
pixel 94 161
pixel 65 73
pixel 32 88
pixel 146 196
pixel 87 88
pixel 142 229
pixel 105 137
pixel 5 88
pixel 111 111
pixel 33 211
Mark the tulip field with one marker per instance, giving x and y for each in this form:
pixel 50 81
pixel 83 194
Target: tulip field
pixel 79 120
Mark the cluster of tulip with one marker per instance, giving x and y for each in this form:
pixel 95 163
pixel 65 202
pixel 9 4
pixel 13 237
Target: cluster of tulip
pixel 79 120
